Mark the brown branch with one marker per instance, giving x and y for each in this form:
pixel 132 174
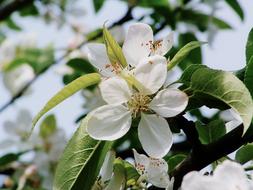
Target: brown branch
pixel 8 9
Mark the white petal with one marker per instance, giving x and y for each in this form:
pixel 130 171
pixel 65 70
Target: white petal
pixel 152 73
pixel 115 90
pixel 157 173
pixel 169 102
pixel 155 135
pixel 166 45
pixel 107 167
pixel 137 43
pixel 109 122
pixel 141 162
pixel 98 57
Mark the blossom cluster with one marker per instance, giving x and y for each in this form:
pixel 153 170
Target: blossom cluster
pixel 136 91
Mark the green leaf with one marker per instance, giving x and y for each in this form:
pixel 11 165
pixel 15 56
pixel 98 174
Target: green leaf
pixel 48 126
pixel 244 154
pixel 188 72
pixel 248 76
pixel 195 57
pixel 211 132
pixel 114 51
pixel 131 172
pixel 67 91
pixel 81 65
pixel 223 87
pixel 183 52
pixel 80 162
pixel 98 4
pixel 202 20
pixel 153 3
pixel 37 58
pixel 12 25
pixel 175 160
pixel 234 4
pixel 9 158
pixel 249 46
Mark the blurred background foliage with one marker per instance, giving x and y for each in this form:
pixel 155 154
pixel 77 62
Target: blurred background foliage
pixel 31 164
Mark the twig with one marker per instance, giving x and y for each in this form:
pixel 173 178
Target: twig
pixel 8 9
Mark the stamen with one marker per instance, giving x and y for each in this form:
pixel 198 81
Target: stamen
pixel 138 103
pixel 155 45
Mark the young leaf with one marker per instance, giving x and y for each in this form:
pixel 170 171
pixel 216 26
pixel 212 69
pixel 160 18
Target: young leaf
pixel 195 57
pixel 244 154
pixel 81 160
pixel 188 72
pixel 248 76
pixel 67 91
pixel 249 46
pixel 10 157
pixel 224 87
pixel 98 4
pixel 211 132
pixel 113 49
pixel 48 126
pixel 234 4
pixel 175 160
pixel 183 52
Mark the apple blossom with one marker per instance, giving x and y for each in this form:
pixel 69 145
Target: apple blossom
pixel 153 170
pixel 227 176
pixel 112 121
pixel 139 44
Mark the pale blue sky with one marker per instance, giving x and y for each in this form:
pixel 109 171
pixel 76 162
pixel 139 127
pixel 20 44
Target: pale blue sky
pixel 227 52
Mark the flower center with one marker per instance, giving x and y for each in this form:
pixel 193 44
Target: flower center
pixel 115 68
pixel 138 103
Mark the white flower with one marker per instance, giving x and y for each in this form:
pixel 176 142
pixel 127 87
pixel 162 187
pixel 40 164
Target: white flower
pixel 139 44
pixel 153 170
pixel 17 132
pixel 112 121
pixel 227 176
pixel 16 79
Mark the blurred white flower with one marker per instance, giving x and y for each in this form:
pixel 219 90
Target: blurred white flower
pixel 227 176
pixel 153 170
pixel 17 132
pixel 16 79
pixel 138 45
pixel 112 121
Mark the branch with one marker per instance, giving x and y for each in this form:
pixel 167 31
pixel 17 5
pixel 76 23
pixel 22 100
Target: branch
pixel 127 17
pixel 203 155
pixel 8 9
